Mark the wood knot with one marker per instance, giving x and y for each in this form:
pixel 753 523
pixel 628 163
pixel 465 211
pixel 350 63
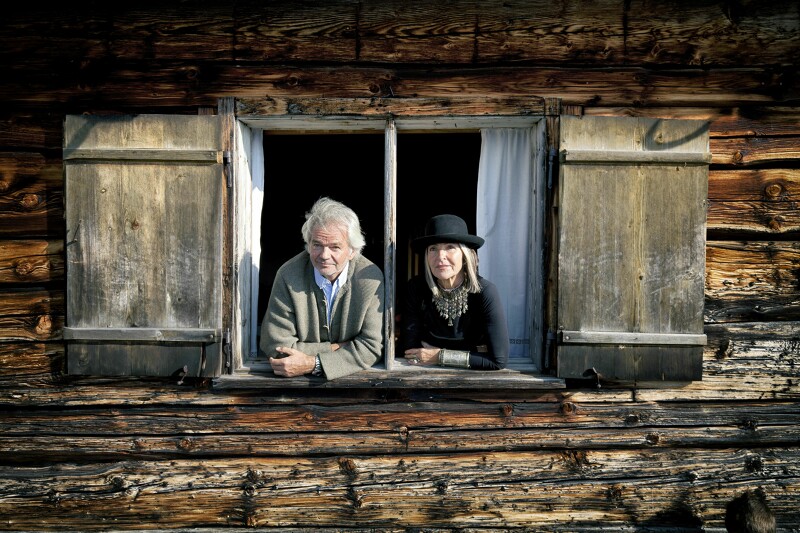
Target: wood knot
pixel 652 438
pixel 725 349
pixel 632 419
pixel 348 467
pixel 754 464
pixel 249 490
pixel 738 157
pixel 507 410
pixel 568 408
pixel 750 424
pixel 135 224
pixel 775 223
pixel 24 268
pixel 402 433
pixel 4 186
pixel 614 493
pixel 185 443
pixel 30 201
pixel 44 325
pixel 773 190
pixel 576 460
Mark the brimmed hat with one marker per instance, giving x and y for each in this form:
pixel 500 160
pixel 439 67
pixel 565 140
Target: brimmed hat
pixel 447 228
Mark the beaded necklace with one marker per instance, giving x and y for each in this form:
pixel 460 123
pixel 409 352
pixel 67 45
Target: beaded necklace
pixel 451 303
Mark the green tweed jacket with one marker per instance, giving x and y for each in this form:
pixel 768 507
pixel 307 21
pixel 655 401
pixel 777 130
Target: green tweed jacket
pixel 296 316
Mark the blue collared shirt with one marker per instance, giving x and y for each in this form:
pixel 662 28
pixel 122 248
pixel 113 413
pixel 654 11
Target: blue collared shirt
pixel 330 289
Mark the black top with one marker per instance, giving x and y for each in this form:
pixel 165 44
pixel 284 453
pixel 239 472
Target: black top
pixel 482 329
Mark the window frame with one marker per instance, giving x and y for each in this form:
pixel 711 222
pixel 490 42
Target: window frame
pixel 246 371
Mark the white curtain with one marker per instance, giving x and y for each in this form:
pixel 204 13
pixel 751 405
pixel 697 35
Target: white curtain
pixel 257 164
pixel 504 217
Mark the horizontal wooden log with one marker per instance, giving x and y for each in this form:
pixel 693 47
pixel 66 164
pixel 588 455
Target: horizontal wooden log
pixel 503 490
pixel 748 151
pixel 41 130
pixel 750 121
pixel 607 32
pixel 737 366
pixel 752 281
pixel 748 185
pixel 33 315
pixel 419 427
pixel 200 84
pixel 30 364
pixel 31 261
pixel 31 196
pixel 753 220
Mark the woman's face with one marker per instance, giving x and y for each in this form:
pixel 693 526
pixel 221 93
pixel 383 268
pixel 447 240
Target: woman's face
pixel 446 262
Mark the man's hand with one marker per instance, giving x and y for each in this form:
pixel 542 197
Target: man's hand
pixel 293 363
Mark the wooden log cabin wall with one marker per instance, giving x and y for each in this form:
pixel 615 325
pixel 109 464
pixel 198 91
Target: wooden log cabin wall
pixel 87 452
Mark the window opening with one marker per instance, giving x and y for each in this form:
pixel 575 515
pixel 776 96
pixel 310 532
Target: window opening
pixel 298 170
pixel 437 171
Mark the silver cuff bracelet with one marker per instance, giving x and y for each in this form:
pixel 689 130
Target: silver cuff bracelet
pixel 456 358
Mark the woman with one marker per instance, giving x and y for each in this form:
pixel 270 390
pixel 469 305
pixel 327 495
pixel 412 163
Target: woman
pixel 453 316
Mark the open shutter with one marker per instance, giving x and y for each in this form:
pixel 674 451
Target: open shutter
pixel 144 245
pixel 631 250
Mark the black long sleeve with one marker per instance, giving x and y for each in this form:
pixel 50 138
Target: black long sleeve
pixel 482 329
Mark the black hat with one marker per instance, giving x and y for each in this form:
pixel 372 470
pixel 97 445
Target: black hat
pixel 447 228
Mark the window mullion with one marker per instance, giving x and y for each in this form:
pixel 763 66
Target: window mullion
pixel 390 237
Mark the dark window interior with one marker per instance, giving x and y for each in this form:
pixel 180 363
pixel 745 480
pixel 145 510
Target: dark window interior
pixel 436 173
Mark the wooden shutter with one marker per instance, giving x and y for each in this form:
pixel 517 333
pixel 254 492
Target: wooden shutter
pixel 144 245
pixel 631 248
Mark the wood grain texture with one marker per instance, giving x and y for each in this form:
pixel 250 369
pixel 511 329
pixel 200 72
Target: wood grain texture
pixel 479 489
pixel 99 453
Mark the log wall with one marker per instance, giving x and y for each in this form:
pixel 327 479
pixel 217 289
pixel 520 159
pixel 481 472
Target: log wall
pixel 99 454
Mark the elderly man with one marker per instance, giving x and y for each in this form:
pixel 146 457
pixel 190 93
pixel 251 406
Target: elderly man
pixel 325 312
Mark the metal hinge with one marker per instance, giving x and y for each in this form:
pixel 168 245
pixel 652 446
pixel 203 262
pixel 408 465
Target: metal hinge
pixel 227 161
pixel 226 348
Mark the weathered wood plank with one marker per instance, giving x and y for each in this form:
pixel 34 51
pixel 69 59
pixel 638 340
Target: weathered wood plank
pixel 30 364
pixel 752 281
pixel 508 489
pixel 757 220
pixel 18 169
pixel 608 31
pixel 754 185
pixel 736 366
pixel 31 196
pixel 750 121
pixel 31 315
pixel 31 261
pixel 421 427
pixel 384 107
pixel 202 83
pixel 32 211
pixel 30 131
pixel 746 151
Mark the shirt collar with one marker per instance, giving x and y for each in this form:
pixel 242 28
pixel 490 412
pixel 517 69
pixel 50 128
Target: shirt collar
pixel 322 281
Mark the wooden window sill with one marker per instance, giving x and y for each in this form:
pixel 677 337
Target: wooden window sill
pixel 258 375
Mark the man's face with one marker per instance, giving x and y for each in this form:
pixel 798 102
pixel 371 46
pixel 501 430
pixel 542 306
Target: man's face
pixel 330 251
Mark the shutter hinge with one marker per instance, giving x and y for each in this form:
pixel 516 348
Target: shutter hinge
pixel 226 347
pixel 227 161
pixel 550 165
pixel 550 339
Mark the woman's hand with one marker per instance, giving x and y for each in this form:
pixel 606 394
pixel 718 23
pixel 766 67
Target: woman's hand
pixel 427 355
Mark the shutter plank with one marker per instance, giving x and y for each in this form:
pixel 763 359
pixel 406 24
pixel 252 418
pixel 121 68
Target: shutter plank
pixel 143 242
pixel 631 247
